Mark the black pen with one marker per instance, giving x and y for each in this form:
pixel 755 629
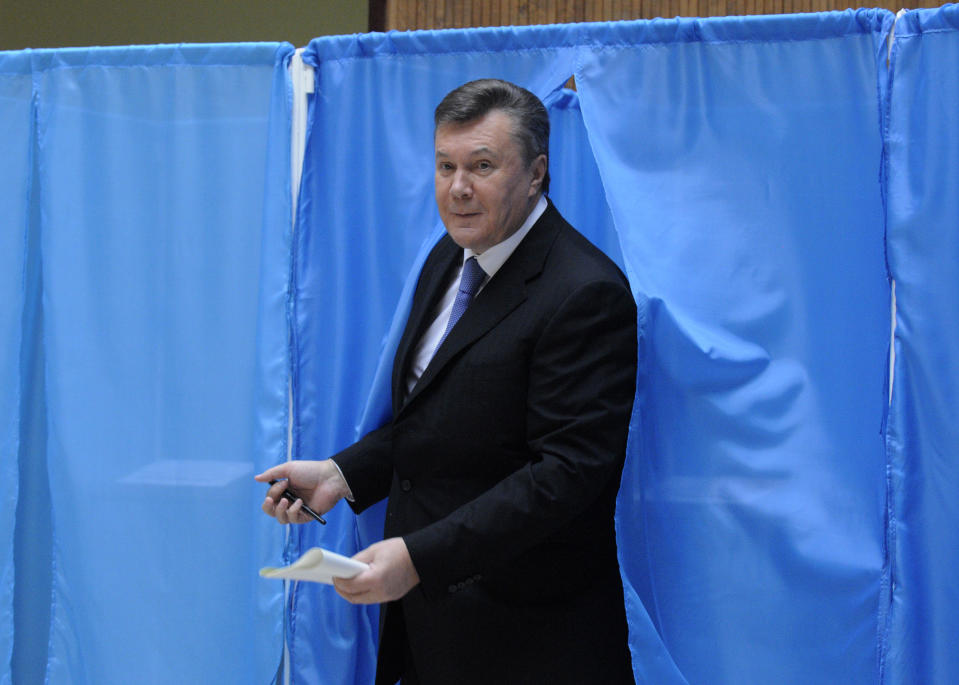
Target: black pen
pixel 291 497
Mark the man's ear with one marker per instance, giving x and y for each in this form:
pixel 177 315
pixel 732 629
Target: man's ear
pixel 538 167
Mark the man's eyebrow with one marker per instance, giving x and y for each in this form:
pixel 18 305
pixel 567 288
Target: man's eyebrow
pixel 482 150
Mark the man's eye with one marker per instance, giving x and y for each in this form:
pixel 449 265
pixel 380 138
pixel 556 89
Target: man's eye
pixel 484 166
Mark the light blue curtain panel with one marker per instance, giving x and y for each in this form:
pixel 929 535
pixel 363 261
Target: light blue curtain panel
pixel 923 437
pixel 164 209
pixel 741 160
pixel 16 148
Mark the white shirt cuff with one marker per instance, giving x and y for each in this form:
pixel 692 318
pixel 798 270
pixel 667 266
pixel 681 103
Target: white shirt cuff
pixel 349 491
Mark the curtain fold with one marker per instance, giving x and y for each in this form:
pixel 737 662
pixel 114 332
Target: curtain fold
pixel 157 184
pixel 922 438
pixel 16 156
pixel 575 183
pixel 741 160
pixel 273 358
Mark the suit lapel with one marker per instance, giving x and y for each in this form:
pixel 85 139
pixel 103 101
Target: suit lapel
pixel 435 275
pixel 501 295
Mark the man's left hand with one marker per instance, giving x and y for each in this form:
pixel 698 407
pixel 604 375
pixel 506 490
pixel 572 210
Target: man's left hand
pixel 390 576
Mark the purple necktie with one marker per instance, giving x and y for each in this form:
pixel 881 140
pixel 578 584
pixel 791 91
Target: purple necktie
pixel 470 282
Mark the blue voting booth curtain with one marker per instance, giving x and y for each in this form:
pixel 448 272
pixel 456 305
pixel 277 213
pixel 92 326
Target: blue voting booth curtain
pixel 164 221
pixel 16 148
pixel 741 160
pixel 923 437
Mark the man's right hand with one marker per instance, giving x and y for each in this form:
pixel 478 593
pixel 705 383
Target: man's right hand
pixel 318 483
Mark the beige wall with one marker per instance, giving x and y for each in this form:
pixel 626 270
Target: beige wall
pixel 72 23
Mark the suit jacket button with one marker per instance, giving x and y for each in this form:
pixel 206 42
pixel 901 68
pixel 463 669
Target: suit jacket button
pixel 452 588
pixel 405 485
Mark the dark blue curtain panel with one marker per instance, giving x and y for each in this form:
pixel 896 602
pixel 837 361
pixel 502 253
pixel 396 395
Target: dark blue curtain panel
pixel 923 434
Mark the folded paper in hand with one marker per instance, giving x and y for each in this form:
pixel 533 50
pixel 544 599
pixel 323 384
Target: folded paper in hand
pixel 317 565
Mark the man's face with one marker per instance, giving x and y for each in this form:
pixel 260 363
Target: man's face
pixel 484 190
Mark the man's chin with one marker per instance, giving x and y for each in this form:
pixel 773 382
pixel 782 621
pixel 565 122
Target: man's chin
pixel 465 236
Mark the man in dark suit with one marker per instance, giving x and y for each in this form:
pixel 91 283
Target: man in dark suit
pixel 512 390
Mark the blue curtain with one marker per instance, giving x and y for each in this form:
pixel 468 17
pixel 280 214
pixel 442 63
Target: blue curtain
pixel 741 160
pixel 16 151
pixel 923 438
pixel 164 221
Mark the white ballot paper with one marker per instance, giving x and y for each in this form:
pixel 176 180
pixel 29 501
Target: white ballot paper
pixel 317 565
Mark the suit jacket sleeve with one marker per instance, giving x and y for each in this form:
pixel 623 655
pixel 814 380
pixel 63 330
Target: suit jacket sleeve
pixel 580 394
pixel 367 468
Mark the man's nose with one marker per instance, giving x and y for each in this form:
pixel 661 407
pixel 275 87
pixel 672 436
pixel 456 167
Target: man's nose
pixel 461 186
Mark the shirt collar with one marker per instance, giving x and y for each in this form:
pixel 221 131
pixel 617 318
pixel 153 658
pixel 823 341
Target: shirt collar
pixel 496 256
